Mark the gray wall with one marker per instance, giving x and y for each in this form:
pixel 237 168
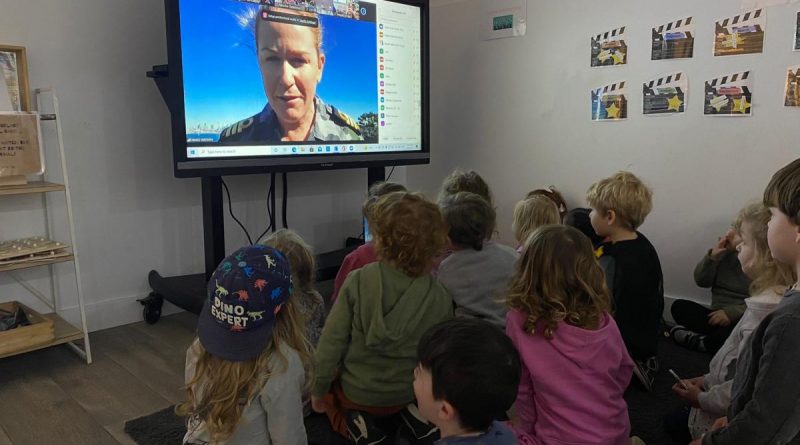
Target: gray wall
pixel 517 111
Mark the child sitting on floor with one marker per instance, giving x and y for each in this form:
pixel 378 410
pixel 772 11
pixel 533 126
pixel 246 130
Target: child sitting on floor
pixel 467 378
pixel 364 363
pixel 530 214
pixel 575 364
pixel 620 205
pixel 245 371
pixel 477 271
pixel 709 396
pixel 703 329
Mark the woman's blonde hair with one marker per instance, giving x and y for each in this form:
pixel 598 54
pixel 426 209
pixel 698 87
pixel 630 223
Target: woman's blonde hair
pixel 409 231
pixel 531 213
pixel 559 279
pixel 300 255
pixel 220 389
pixel 767 273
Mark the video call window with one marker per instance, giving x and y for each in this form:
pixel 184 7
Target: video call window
pixel 260 73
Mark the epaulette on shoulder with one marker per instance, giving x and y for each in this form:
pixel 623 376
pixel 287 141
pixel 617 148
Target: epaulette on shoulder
pixel 237 128
pixel 342 118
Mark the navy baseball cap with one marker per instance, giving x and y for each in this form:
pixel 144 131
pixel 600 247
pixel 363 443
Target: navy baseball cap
pixel 245 294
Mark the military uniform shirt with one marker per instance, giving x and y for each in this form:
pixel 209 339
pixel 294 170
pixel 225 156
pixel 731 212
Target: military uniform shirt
pixel 330 124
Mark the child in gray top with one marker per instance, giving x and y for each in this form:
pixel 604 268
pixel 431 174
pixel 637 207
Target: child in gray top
pixel 478 271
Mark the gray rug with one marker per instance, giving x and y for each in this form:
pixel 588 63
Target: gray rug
pixel 646 410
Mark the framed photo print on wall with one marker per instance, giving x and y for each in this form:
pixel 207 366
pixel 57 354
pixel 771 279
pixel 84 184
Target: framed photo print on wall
pixel 14 90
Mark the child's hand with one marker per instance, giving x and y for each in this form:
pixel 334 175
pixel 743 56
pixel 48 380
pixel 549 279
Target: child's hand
pixel 697 442
pixel 725 243
pixel 699 382
pixel 690 395
pixel 719 318
pixel 318 404
pixel 720 423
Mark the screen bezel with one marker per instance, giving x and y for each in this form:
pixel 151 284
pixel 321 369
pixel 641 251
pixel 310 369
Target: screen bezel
pixel 184 167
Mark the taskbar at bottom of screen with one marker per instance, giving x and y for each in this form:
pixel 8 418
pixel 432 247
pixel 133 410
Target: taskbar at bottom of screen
pixel 292 150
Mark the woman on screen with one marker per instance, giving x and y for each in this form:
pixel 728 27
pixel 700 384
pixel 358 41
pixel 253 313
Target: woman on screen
pixel 290 57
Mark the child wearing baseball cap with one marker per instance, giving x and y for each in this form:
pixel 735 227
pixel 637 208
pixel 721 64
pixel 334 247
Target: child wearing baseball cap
pixel 245 371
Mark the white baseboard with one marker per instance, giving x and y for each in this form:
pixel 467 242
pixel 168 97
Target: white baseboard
pixel 112 313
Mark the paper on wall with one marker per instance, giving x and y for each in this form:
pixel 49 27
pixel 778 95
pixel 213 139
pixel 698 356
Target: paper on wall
pixel 665 95
pixel 729 95
pixel 504 18
pixel 609 103
pixel 5 98
pixel 741 34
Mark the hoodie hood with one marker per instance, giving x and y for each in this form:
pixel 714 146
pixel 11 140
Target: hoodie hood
pixel 403 307
pixel 583 346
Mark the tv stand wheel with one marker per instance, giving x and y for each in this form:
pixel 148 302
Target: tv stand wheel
pixel 152 307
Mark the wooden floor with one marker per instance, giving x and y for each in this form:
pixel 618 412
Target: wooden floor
pixel 52 396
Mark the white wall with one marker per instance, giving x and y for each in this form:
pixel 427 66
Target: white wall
pixel 517 111
pixel 131 215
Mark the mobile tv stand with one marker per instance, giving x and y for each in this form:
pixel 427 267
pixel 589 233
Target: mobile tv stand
pixel 188 292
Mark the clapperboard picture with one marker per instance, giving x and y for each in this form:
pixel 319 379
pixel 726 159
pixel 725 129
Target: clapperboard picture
pixel 792 92
pixel 797 33
pixel 741 34
pixel 729 95
pixel 609 48
pixel 609 103
pixel 673 40
pixel 665 95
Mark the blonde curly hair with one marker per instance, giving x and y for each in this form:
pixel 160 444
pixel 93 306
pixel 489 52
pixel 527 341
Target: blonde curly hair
pixel 558 279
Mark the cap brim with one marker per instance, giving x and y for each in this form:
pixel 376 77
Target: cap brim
pixel 228 345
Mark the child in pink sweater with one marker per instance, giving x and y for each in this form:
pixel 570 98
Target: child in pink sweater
pixel 575 366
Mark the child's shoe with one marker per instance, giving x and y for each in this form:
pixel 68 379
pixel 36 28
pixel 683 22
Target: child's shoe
pixel 362 430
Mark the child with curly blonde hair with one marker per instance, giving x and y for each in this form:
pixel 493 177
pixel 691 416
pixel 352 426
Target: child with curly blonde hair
pixel 365 360
pixel 575 366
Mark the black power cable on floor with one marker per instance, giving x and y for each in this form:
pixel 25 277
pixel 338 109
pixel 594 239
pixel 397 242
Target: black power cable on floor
pixel 230 210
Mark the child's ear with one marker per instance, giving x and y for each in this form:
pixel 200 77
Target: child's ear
pixel 447 412
pixel 611 217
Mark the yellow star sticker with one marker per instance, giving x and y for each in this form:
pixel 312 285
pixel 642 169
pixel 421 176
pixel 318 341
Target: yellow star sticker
pixel 619 58
pixel 604 55
pixel 674 103
pixel 741 105
pixel 613 111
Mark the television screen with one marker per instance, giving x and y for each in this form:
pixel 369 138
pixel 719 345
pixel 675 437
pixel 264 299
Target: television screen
pixel 299 82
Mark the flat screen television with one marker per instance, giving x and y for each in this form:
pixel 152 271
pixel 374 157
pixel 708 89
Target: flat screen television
pixel 282 85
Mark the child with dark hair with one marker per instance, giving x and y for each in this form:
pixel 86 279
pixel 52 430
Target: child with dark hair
pixel 364 254
pixel 467 378
pixel 477 271
pixel 580 219
pixel 575 364
pixel 364 363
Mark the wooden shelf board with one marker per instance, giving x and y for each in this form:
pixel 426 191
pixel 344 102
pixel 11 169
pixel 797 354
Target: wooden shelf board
pixel 30 264
pixel 64 333
pixel 31 187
